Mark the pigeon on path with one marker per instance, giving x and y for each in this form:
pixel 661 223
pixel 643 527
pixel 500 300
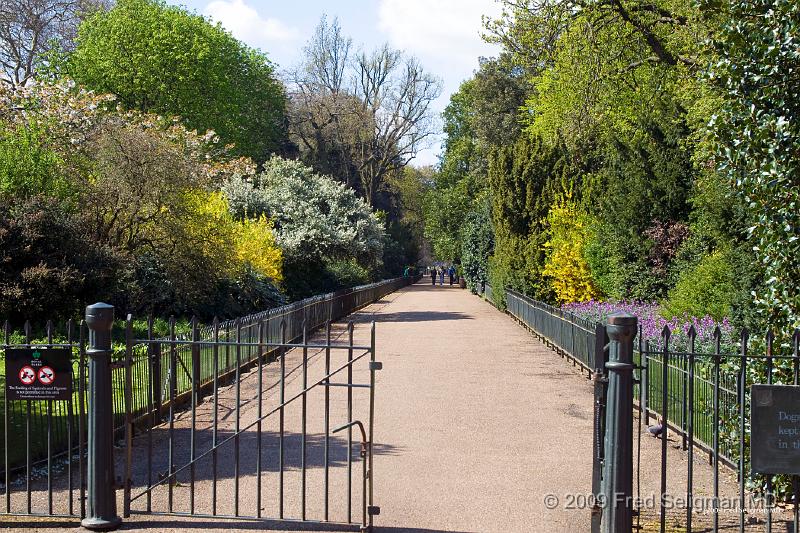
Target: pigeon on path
pixel 658 429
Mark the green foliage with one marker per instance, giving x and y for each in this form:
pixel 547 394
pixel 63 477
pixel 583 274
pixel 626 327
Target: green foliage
pixel 481 115
pixel 405 219
pixel 138 223
pixel 707 289
pixel 318 223
pixel 347 273
pixel 446 206
pixel 757 135
pixel 48 266
pixel 28 166
pixel 524 180
pixel 616 87
pixel 477 246
pixel 163 59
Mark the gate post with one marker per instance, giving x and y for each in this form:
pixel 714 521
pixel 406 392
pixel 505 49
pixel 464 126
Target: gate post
pixel 618 468
pixel 600 358
pixel 101 509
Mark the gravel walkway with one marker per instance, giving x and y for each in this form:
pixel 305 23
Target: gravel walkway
pixel 476 424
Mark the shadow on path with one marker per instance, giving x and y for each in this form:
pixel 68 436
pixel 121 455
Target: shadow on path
pixel 421 316
pixel 248 451
pixel 137 522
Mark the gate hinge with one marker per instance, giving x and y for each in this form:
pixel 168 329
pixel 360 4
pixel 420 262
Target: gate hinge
pixel 374 510
pixel 375 365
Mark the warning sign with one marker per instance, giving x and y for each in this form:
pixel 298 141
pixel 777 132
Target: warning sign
pixel 46 375
pixel 41 374
pixel 27 375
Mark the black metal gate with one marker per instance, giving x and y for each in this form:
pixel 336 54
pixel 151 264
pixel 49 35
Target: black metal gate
pixel 43 443
pixel 696 391
pixel 257 431
pixel 248 418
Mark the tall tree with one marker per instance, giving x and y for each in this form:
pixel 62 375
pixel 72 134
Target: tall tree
pixel 757 134
pixel 32 29
pixel 368 112
pixel 163 59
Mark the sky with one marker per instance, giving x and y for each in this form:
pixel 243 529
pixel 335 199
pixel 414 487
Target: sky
pixel 445 35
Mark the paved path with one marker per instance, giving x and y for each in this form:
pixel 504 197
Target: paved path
pixel 488 419
pixel 476 422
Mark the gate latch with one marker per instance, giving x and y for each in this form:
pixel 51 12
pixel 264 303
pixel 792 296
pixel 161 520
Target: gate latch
pixel 375 365
pixel 373 510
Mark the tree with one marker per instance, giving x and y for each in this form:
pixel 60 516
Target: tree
pixel 30 30
pixel 524 180
pixel 757 135
pixel 130 199
pixel 162 59
pixel 323 228
pixel 371 110
pixel 405 219
pixel 477 246
pixel 481 116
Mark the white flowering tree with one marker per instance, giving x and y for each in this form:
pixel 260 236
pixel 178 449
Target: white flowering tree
pixel 320 224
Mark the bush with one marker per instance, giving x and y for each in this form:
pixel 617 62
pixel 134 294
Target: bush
pixel 566 268
pixel 49 267
pixel 329 237
pixel 315 217
pixel 757 137
pixel 477 245
pixel 706 289
pixel 27 166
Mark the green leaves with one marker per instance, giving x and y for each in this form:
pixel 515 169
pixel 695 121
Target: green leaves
pixel 165 60
pixel 757 135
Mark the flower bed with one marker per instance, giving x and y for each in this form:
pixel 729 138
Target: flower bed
pixel 652 323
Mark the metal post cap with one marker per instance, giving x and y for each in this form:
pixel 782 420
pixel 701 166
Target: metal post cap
pixel 621 319
pixel 100 316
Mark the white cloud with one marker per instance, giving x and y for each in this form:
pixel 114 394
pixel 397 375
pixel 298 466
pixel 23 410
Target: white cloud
pixel 246 24
pixel 446 36
pixel 440 31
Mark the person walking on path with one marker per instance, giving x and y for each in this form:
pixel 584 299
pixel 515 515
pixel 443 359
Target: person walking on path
pixel 441 276
pixel 433 277
pixel 451 272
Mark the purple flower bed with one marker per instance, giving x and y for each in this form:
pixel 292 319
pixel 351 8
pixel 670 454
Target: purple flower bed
pixel 653 323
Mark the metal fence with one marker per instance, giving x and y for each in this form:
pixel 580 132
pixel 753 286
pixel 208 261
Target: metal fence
pixel 488 293
pixel 703 398
pixel 39 433
pixel 570 335
pixel 217 444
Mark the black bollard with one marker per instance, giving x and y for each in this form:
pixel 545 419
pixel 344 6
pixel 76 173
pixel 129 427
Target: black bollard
pixel 101 508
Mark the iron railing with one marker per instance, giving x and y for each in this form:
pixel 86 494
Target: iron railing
pixel 488 293
pixel 701 396
pixel 568 334
pixel 35 431
pixel 167 456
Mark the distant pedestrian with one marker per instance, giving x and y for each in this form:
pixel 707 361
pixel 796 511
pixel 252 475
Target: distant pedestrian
pixel 433 276
pixel 405 272
pixel 441 276
pixel 452 273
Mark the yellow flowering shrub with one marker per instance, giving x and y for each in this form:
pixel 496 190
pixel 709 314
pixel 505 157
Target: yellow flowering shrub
pixel 256 246
pixel 565 266
pixel 231 244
